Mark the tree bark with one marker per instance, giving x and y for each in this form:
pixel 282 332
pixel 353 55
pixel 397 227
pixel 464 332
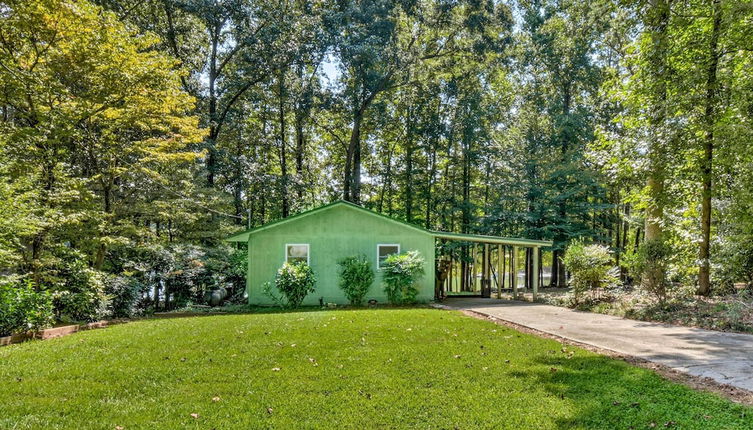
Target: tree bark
pixel 658 21
pixel 704 275
pixel 213 126
pixel 562 207
pixel 285 200
pixel 409 164
pixel 430 185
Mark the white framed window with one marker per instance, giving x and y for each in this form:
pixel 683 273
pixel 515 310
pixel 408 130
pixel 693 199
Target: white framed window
pixel 384 250
pixel 295 252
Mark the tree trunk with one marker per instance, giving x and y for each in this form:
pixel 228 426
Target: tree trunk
pixel 354 145
pixel 562 208
pixel 107 186
pixel 213 129
pixel 300 149
pixel 704 281
pixel 554 279
pixel 355 189
pixel 409 165
pixel 386 180
pixel 285 200
pixel 430 185
pixel 658 21
pixel 466 209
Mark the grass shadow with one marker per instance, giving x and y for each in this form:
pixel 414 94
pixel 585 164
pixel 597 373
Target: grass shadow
pixel 606 392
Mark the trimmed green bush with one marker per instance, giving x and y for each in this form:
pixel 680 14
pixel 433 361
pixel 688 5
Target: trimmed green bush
pixel 23 308
pixel 294 281
pixel 400 274
pixel 356 276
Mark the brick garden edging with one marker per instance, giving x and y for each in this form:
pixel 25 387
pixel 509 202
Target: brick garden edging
pixel 65 330
pixel 54 332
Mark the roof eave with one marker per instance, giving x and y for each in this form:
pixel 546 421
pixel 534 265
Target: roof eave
pixel 492 239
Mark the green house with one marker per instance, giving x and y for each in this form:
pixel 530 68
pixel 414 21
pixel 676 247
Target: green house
pixel 324 235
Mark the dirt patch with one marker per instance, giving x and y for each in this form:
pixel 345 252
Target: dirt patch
pixel 737 395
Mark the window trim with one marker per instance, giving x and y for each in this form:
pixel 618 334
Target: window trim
pixel 308 251
pixel 379 245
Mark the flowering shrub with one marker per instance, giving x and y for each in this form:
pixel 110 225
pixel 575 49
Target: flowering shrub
pixel 400 274
pixel 294 281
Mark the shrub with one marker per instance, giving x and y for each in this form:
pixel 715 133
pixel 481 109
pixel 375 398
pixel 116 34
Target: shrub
pixel 23 308
pixel 356 276
pixel 125 294
pixel 79 294
pixel 294 281
pixel 400 274
pixel 649 265
pixel 591 268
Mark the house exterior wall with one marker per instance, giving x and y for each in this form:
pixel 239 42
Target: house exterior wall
pixel 336 232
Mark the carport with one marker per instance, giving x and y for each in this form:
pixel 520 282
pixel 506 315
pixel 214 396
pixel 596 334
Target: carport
pixel 472 265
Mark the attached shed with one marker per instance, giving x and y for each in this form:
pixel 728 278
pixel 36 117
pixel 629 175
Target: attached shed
pixel 324 235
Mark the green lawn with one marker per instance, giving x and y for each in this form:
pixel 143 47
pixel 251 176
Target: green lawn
pixel 390 368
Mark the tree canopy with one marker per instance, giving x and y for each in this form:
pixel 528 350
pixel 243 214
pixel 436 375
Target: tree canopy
pixel 133 131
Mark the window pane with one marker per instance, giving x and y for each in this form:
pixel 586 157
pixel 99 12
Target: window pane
pixel 385 251
pixel 297 253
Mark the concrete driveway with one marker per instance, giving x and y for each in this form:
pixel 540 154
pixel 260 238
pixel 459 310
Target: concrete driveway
pixel 725 357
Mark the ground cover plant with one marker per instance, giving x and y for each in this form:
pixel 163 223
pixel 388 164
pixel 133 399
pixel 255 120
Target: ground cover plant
pixel 368 368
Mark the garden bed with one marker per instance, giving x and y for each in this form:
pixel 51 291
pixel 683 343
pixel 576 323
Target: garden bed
pixel 59 331
pixel 729 313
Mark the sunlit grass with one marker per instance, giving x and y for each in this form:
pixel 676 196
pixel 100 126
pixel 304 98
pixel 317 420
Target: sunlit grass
pixel 385 368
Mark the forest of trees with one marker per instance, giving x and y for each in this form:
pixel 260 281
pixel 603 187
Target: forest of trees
pixel 136 134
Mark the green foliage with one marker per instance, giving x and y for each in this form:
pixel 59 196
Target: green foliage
pixel 124 293
pixel 294 282
pixel 649 265
pixel 23 308
pixel 400 272
pixel 543 123
pixel 78 290
pixel 735 265
pixel 356 276
pixel 592 269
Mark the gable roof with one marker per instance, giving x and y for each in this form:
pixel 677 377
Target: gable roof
pixel 244 235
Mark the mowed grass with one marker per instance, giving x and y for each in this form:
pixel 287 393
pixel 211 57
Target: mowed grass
pixel 384 368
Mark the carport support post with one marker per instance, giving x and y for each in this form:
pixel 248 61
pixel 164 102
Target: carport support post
pixel 535 274
pixel 513 272
pixel 500 269
pixel 486 283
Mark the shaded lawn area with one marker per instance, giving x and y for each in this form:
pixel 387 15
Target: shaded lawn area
pixel 384 368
